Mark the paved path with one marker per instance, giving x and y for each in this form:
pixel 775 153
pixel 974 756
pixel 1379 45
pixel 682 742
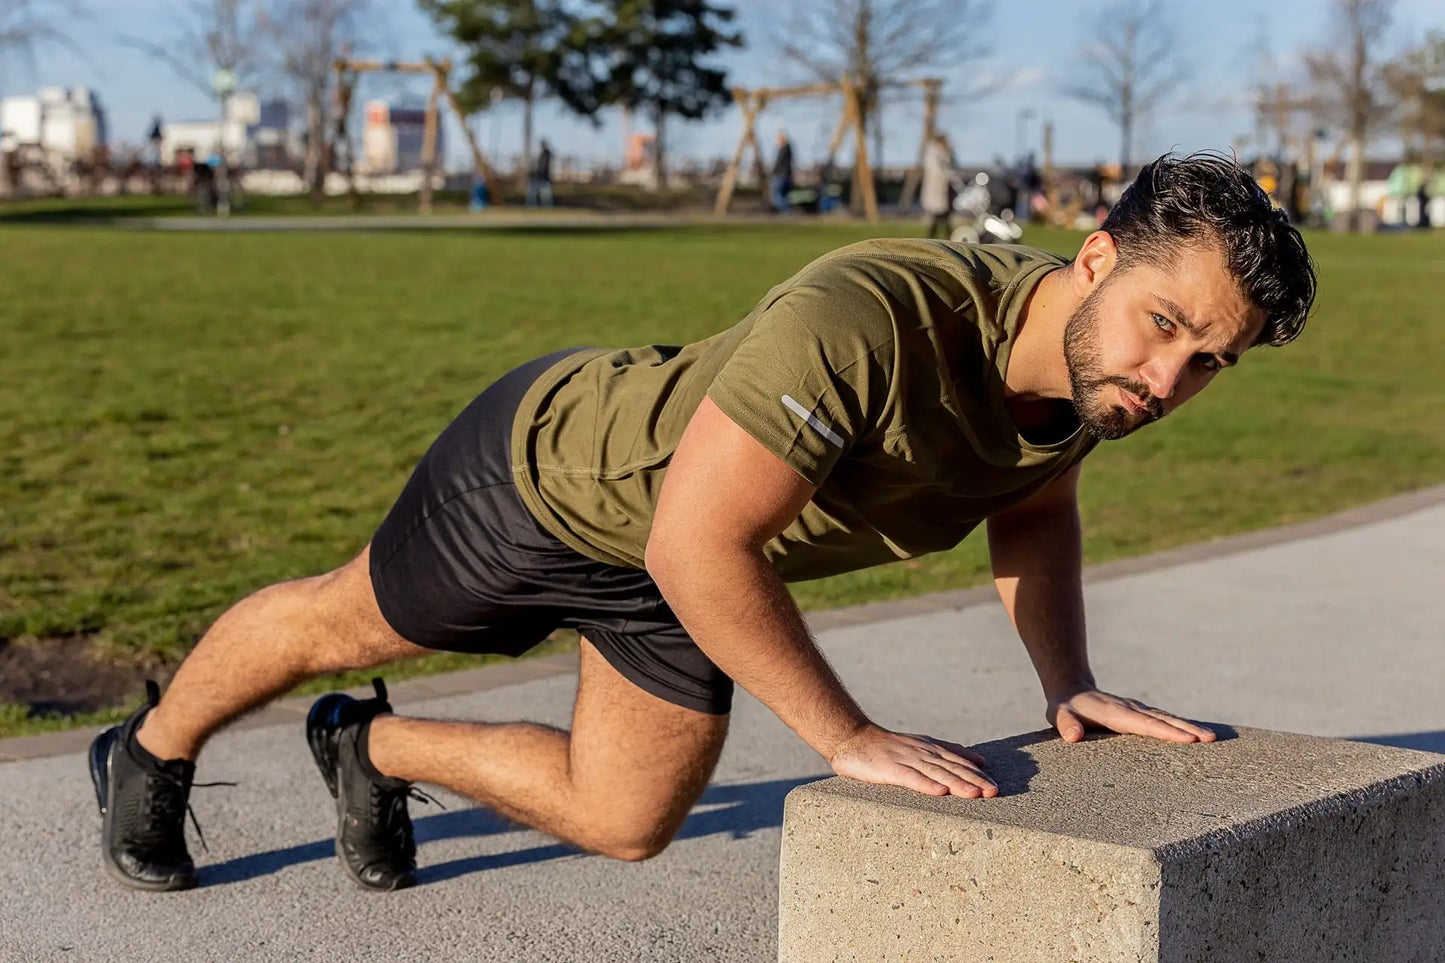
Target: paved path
pixel 1337 634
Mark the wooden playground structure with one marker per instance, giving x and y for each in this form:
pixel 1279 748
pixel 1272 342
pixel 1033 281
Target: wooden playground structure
pixel 753 101
pixel 348 72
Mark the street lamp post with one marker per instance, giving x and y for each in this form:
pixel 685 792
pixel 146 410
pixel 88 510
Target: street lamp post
pixel 223 82
pixel 1025 115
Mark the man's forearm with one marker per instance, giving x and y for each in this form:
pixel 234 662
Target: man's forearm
pixel 739 612
pixel 1037 565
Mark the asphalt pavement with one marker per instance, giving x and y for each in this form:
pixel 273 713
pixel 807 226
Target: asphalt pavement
pixel 1333 629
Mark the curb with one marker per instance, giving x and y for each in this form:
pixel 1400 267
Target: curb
pixel 292 711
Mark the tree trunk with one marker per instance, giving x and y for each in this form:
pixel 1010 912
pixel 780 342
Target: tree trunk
pixel 878 136
pixel 1126 144
pixel 1356 172
pixel 856 194
pixel 1359 119
pixel 529 100
pixel 658 155
pixel 316 145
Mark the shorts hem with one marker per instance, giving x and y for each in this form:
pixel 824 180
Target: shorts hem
pixel 715 703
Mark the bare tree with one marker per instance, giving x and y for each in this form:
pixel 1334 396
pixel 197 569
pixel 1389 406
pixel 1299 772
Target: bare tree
pixel 1130 66
pixel 309 36
pixel 26 23
pixel 218 48
pixel 877 43
pixel 1350 81
pixel 1416 80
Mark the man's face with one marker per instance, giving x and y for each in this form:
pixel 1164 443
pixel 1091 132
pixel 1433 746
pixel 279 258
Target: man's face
pixel 1148 338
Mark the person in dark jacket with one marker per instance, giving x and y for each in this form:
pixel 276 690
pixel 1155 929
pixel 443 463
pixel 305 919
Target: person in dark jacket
pixel 539 181
pixel 782 180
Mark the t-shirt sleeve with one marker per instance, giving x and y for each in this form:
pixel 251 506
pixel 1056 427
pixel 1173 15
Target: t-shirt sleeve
pixel 811 376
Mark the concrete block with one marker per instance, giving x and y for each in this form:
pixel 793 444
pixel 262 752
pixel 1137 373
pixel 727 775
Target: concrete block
pixel 1263 846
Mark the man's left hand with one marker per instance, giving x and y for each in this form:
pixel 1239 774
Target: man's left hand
pixel 1092 707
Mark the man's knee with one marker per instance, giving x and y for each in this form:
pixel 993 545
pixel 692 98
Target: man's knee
pixel 635 844
pixel 633 834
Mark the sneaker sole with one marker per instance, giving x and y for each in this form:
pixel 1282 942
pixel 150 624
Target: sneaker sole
pixel 100 751
pixel 406 881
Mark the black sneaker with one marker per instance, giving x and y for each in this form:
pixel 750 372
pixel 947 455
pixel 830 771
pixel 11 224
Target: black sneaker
pixel 374 838
pixel 143 801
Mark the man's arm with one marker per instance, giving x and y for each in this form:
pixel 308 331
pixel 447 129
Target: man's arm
pixel 1036 550
pixel 725 497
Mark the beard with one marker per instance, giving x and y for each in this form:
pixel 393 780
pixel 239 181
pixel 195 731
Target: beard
pixel 1101 418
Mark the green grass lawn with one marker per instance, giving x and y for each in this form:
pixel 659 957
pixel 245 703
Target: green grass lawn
pixel 186 418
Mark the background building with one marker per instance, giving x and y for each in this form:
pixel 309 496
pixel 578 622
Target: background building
pixel 62 126
pixel 392 138
pixel 255 135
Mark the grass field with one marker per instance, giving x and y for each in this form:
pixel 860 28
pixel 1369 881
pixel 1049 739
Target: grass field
pixel 186 418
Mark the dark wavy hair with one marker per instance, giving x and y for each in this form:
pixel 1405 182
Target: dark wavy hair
pixel 1208 199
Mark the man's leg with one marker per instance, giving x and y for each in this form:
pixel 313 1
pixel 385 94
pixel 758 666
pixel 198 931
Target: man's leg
pixel 621 783
pixel 265 645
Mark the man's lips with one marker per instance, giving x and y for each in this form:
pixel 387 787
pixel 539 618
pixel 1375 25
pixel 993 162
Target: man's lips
pixel 1132 405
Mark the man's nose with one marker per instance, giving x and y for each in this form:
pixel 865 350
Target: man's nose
pixel 1162 375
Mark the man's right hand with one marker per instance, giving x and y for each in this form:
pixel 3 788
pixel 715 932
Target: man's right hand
pixel 921 763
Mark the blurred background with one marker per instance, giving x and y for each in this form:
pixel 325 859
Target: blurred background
pixel 1338 105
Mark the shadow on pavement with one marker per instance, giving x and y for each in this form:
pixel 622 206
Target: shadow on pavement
pixel 737 809
pixel 1421 741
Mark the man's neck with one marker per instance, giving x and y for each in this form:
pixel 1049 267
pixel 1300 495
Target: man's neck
pixel 1037 370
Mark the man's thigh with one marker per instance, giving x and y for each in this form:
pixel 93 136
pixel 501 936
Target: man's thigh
pixel 643 760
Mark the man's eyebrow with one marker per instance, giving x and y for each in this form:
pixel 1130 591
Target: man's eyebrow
pixel 1182 319
pixel 1179 315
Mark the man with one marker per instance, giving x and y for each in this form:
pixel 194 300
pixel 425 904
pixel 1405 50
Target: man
pixel 539 183
pixel 782 179
pixel 936 185
pixel 879 405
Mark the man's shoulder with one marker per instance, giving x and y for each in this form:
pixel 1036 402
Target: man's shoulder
pixel 925 254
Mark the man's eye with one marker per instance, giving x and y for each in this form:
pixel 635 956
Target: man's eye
pixel 1208 362
pixel 1163 323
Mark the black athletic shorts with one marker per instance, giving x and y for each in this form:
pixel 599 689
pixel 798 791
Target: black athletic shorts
pixel 461 564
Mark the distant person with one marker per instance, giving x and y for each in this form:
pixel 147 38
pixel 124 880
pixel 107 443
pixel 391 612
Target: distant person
pixel 154 138
pixel 1422 197
pixel 935 191
pixel 884 402
pixel 1029 185
pixel 782 178
pixel 1004 186
pixel 539 183
pixel 1096 181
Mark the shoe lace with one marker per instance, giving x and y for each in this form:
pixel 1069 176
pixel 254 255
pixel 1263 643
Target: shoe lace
pixel 388 810
pixel 166 796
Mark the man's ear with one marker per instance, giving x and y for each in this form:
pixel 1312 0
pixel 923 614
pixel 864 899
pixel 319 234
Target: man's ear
pixel 1097 258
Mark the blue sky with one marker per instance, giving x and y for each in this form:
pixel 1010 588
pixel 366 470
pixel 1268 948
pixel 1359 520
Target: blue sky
pixel 1034 43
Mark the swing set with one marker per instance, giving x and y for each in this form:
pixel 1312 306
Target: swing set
pixel 754 100
pixel 348 72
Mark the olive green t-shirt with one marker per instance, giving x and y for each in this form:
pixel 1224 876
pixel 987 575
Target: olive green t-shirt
pixel 876 373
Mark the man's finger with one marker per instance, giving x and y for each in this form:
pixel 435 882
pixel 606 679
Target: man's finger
pixel 960 782
pixel 1145 724
pixel 910 778
pixel 1070 727
pixel 1202 733
pixel 953 749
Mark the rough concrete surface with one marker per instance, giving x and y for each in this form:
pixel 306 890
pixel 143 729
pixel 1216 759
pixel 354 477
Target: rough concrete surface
pixel 1261 846
pixel 1337 635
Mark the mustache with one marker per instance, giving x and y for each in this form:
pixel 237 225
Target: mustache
pixel 1153 405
